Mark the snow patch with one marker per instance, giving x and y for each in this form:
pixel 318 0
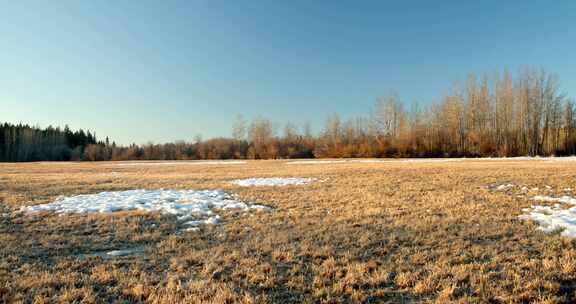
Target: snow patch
pixel 504 187
pixel 553 218
pixel 124 252
pixel 110 254
pixel 272 181
pixel 192 207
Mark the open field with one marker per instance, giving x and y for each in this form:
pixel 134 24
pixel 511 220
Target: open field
pixel 395 231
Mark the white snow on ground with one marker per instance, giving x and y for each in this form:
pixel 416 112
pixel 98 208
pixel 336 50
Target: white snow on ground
pixel 216 162
pixel 192 207
pixel 118 253
pixel 504 187
pixel 272 181
pixel 122 252
pixel 553 218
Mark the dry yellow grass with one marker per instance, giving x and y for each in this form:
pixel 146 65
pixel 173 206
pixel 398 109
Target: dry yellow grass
pixel 389 232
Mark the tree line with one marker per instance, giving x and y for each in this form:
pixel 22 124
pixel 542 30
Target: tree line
pixel 484 116
pixel 20 142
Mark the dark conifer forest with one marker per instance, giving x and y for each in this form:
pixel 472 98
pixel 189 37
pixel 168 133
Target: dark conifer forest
pixel 20 143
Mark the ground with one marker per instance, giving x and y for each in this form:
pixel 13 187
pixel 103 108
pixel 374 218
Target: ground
pixel 397 232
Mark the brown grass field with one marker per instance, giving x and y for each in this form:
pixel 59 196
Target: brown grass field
pixel 391 232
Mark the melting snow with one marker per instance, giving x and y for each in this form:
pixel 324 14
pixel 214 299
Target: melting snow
pixel 273 181
pixel 192 207
pixel 553 218
pixel 504 187
pixel 135 251
pixel 123 252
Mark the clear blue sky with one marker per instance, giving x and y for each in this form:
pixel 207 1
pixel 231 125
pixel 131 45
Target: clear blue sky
pixel 159 71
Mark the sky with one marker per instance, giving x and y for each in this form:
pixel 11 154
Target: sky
pixel 160 71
